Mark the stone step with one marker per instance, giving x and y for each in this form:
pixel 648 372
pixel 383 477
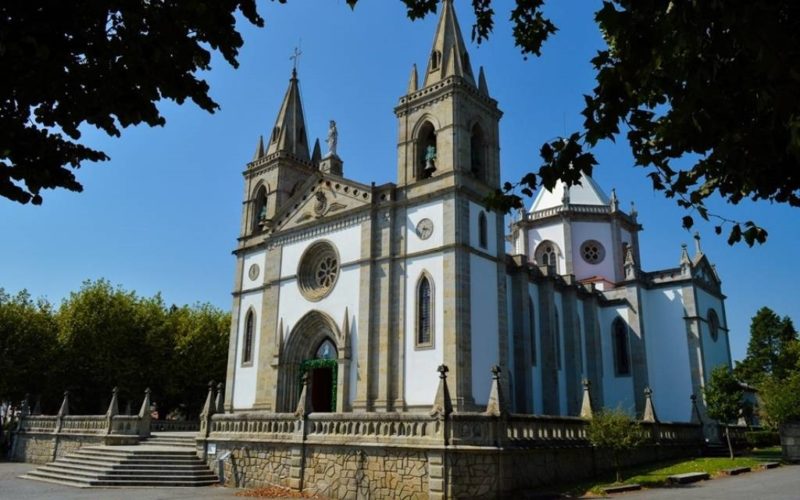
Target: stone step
pixel 85 483
pixel 58 478
pixel 689 477
pixel 113 473
pixel 140 450
pixel 736 471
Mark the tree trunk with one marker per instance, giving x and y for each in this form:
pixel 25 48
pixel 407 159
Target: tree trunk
pixel 728 438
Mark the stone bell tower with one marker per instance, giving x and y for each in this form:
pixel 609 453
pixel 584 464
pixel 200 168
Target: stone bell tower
pixel 448 161
pixel 450 124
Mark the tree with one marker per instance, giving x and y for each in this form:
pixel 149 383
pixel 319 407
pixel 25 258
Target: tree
pixel 723 395
pixel 615 431
pixel 68 64
pixel 769 351
pixel 28 344
pixel 706 93
pixel 780 399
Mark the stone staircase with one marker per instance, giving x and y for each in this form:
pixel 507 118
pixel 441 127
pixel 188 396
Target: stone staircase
pixel 165 459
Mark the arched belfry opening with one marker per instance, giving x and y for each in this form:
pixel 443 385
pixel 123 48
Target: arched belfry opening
pixel 426 151
pixel 259 208
pixel 477 152
pixel 317 347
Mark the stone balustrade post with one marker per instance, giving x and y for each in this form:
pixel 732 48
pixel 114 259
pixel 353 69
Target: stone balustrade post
pixel 113 409
pixel 205 418
pixel 144 415
pixel 220 402
pixel 587 411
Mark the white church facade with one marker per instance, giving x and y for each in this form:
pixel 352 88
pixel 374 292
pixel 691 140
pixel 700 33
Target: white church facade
pixel 368 289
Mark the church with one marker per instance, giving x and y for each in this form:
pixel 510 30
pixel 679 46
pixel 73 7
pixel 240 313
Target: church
pixel 367 289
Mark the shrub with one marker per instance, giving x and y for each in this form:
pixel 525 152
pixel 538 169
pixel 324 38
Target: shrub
pixel 762 439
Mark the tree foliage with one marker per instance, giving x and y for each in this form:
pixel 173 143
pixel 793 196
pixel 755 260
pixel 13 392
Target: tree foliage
pixel 617 432
pixel 772 349
pixel 723 395
pixel 104 336
pixel 28 345
pixel 707 95
pixel 105 64
pixel 780 399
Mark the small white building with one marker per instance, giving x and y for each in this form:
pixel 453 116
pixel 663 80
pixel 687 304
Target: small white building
pixel 369 289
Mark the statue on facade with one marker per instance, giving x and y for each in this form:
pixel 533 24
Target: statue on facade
pixel 430 158
pixel 333 138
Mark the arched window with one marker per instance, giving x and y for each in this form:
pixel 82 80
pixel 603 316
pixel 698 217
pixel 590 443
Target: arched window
pixel 477 153
pixel 426 151
pixel 482 230
pixel 326 350
pixel 436 60
pixel 259 208
pixel 619 337
pixel 249 337
pixel 547 254
pixel 713 324
pixel 532 323
pixel 424 312
pixel 276 132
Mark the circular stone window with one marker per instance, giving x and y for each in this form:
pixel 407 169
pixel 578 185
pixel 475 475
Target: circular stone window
pixel 318 270
pixel 593 252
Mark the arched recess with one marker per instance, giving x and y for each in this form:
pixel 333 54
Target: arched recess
pixel 301 345
pixel 477 152
pixel 424 317
pixel 547 254
pixel 259 207
pixel 483 231
pixel 249 338
pixel 619 339
pixel 425 138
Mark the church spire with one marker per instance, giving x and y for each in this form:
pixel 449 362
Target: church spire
pixel 449 55
pixel 289 133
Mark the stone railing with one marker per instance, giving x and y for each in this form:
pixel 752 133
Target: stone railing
pixel 174 425
pixel 546 430
pixel 381 428
pixel 84 424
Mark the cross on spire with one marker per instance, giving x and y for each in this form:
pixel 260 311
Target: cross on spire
pixel 295 57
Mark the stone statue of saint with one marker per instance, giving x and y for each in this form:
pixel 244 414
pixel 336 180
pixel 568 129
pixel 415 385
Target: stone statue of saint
pixel 333 138
pixel 430 157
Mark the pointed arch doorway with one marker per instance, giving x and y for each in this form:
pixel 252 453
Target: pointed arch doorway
pixel 318 347
pixel 322 377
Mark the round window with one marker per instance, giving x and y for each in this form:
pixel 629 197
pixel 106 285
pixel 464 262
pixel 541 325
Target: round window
pixel 318 270
pixel 593 252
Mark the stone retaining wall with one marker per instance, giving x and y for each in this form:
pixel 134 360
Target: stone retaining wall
pixel 44 448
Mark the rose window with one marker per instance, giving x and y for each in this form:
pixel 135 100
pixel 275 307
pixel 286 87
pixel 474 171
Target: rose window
pixel 592 252
pixel 318 270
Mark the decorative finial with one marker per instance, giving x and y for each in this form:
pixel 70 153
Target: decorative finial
pixel 634 213
pixel 614 200
pixel 443 369
pixel 496 372
pixel 295 57
pixel 697 248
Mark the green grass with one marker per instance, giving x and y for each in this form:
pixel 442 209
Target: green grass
pixel 655 475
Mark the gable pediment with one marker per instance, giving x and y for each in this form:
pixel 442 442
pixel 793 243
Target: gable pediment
pixel 323 196
pixel 703 271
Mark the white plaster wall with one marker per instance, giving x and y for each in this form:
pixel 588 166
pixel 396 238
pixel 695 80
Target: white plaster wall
pixel 562 374
pixel 258 258
pixel 347 242
pixel 510 341
pixel 617 391
pixel 554 233
pixel 244 382
pixel 715 353
pixel 536 372
pixel 483 325
pixel 421 363
pixel 599 231
pixel 292 306
pixel 491 229
pixel 667 351
pixel 435 212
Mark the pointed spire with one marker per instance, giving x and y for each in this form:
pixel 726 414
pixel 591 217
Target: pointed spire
pixel 208 407
pixel 649 410
pixel 448 55
pixel 629 265
pixel 144 410
pixel 614 200
pixel 697 250
pixel 586 405
pixel 289 133
pixel 259 148
pixel 113 406
pixel 696 418
pixel 316 156
pixel 497 405
pixel 685 260
pixel 413 80
pixel 442 404
pixel 304 406
pixel 482 86
pixel 633 213
pixel 25 407
pixel 64 410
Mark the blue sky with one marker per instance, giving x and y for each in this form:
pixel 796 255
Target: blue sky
pixel 163 214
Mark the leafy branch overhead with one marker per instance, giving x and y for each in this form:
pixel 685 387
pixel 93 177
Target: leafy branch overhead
pixel 707 94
